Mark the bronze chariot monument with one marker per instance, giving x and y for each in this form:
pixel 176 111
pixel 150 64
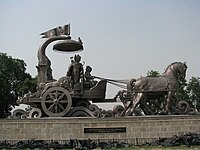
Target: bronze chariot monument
pixel 72 94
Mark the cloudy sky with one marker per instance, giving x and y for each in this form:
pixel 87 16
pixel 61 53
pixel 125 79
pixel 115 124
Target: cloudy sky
pixel 122 39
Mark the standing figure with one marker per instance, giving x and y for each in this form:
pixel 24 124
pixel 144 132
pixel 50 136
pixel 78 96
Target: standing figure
pixel 75 70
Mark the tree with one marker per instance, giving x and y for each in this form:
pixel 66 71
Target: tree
pixel 14 82
pixel 153 73
pixel 193 91
pixel 181 93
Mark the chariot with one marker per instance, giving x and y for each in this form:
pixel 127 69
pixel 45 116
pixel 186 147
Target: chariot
pixel 55 99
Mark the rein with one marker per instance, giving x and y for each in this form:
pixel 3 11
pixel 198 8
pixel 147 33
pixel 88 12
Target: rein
pixel 118 83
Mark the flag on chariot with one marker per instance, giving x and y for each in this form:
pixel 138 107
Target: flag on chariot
pixel 61 30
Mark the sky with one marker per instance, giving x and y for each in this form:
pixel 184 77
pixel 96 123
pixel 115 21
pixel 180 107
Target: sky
pixel 122 39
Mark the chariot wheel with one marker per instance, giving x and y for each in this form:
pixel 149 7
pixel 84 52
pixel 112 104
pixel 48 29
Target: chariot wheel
pixel 56 102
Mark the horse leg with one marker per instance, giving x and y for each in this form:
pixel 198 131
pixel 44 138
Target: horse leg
pixel 123 113
pixel 145 107
pixel 135 102
pixel 168 101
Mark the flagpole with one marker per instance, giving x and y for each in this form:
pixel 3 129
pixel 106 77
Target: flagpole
pixel 44 64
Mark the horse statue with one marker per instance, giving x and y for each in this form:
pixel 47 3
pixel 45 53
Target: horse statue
pixel 155 87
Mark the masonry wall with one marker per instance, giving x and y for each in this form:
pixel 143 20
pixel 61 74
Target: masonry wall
pixel 73 128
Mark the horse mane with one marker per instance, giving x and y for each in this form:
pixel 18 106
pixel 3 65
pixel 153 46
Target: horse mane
pixel 173 64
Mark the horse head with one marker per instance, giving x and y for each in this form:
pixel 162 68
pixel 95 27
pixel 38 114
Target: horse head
pixel 183 70
pixel 177 69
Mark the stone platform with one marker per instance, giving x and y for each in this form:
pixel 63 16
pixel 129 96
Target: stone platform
pixel 141 127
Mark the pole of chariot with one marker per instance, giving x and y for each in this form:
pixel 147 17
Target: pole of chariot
pixel 44 64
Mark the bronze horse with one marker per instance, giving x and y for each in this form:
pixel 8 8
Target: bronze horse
pixel 164 85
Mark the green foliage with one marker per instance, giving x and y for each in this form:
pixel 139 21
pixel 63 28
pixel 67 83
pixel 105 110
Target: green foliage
pixel 159 148
pixel 153 73
pixel 14 82
pixel 181 93
pixel 193 91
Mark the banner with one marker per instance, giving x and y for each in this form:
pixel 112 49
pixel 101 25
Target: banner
pixel 61 30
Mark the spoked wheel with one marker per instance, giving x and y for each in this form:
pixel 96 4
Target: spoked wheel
pixel 56 102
